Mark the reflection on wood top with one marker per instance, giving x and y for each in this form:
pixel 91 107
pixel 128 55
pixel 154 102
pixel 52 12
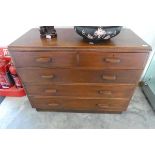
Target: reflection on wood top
pixel 68 39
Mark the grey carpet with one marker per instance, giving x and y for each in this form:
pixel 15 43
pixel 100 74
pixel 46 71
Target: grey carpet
pixel 1 99
pixel 17 113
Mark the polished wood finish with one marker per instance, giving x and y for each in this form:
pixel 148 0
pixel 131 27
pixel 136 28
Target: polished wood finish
pixel 90 90
pixel 69 74
pixel 67 38
pixel 57 103
pixel 48 75
pixel 84 59
pixel 112 60
pixel 45 59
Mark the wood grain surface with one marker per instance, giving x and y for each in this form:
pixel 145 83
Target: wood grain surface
pixel 69 74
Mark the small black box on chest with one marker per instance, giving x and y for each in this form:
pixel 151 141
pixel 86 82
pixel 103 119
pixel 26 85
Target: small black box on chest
pixel 48 32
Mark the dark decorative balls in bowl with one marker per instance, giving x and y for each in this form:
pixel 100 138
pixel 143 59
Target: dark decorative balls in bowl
pixel 97 33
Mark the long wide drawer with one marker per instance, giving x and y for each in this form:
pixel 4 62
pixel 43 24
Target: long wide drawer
pixel 46 76
pixel 45 59
pixel 50 103
pixel 112 60
pixel 100 91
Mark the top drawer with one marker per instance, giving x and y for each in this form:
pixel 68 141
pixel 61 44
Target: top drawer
pixel 44 59
pixel 112 60
pixel 80 59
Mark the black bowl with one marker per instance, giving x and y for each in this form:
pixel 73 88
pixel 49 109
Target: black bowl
pixel 97 33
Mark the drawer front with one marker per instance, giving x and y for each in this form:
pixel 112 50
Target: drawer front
pixel 47 103
pixel 106 91
pixel 46 76
pixel 44 59
pixel 113 60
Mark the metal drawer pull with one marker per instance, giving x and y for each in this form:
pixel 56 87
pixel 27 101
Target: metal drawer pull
pixel 48 76
pixel 105 92
pixel 50 91
pixel 106 77
pixel 112 60
pixel 43 60
pixel 53 104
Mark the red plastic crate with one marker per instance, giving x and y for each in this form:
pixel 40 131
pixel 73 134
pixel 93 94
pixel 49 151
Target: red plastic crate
pixel 3 51
pixel 12 92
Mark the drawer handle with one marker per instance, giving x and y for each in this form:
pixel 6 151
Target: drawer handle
pixel 105 92
pixel 53 104
pixel 112 60
pixel 102 106
pixel 50 91
pixel 43 60
pixel 106 77
pixel 48 76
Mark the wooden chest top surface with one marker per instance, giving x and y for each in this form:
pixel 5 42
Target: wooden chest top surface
pixel 68 39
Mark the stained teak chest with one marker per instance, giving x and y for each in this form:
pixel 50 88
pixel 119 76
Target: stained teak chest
pixel 68 74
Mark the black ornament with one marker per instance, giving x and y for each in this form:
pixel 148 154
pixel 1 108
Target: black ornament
pixel 48 32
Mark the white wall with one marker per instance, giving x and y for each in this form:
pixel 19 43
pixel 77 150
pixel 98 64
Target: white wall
pixel 147 33
pixel 9 33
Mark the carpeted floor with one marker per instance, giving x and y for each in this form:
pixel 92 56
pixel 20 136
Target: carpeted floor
pixel 17 113
pixel 1 99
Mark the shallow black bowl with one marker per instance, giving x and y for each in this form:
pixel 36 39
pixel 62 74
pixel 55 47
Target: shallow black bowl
pixel 97 33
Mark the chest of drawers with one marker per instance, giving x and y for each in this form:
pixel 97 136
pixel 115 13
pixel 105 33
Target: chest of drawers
pixel 69 74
